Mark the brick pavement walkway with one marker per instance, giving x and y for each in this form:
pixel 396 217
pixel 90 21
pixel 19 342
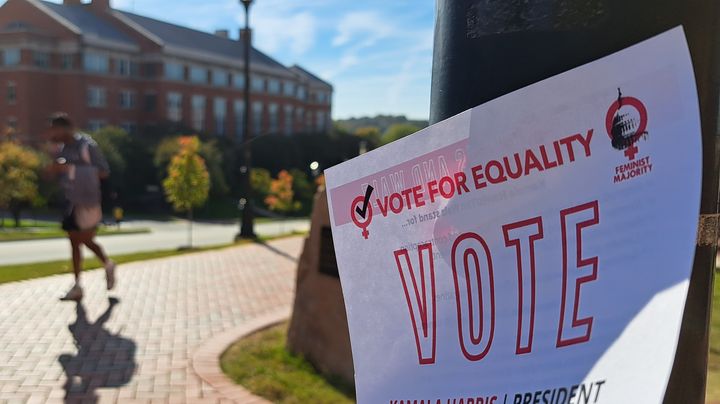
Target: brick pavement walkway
pixel 138 348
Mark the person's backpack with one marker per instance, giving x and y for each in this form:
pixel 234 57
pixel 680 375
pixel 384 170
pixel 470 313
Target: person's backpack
pixel 84 191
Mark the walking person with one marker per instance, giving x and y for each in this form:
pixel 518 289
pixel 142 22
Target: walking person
pixel 80 165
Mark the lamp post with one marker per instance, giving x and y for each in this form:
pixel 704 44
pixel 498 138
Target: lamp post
pixel 247 228
pixel 315 169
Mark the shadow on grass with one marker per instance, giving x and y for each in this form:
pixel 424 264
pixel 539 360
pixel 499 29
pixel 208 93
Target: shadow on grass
pixel 262 364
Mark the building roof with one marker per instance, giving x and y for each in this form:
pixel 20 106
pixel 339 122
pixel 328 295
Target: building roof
pixel 310 76
pixel 88 22
pixel 84 20
pixel 188 38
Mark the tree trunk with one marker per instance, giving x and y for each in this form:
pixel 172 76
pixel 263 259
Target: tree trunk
pixel 16 217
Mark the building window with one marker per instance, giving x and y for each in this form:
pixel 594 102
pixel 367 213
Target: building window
pixel 300 119
pixel 220 113
pixel 309 121
pixel 12 124
pixel 129 127
pixel 239 112
pixel 96 63
pixel 150 102
pixel 301 93
pixel 257 84
pixel 134 69
pixel 95 125
pixel 198 75
pixel 220 78
pixel 273 86
pixel 11 56
pixel 127 99
pixel 11 93
pixel 123 67
pixel 289 88
pixel 257 117
pixel 273 113
pixel 198 112
pixel 41 59
pixel 320 121
pixel 238 80
pixel 96 97
pixel 174 107
pixel 68 61
pixel 288 115
pixel 174 71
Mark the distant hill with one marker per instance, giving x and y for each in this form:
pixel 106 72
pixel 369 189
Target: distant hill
pixel 382 122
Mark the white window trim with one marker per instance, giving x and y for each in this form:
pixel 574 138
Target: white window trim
pixel 101 101
pixel 131 96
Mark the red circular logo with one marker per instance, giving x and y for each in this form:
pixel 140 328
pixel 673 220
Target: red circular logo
pixel 623 130
pixel 362 222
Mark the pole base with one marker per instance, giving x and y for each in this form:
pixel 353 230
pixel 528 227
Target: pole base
pixel 240 237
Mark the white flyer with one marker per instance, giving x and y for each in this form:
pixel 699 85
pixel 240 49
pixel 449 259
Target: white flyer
pixel 535 249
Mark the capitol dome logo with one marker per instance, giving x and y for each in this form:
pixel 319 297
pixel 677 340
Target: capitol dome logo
pixel 626 123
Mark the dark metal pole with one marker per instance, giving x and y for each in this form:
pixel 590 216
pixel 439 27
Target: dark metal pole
pixel 247 228
pixel 487 48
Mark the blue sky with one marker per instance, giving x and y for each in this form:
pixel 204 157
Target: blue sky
pixel 377 53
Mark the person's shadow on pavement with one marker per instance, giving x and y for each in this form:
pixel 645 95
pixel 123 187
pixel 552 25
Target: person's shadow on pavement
pixel 103 360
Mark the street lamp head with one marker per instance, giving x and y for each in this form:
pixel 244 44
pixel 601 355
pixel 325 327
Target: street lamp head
pixel 246 3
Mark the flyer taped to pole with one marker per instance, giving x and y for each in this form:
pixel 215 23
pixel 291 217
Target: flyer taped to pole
pixel 534 249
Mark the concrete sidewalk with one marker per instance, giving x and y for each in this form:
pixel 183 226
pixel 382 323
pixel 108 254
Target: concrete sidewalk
pixel 162 236
pixel 137 349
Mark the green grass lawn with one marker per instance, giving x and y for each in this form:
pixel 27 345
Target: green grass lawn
pixel 25 223
pixel 713 382
pixel 262 364
pixel 21 272
pixel 30 229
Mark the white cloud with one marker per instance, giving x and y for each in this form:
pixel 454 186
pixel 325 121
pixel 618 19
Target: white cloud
pixel 357 31
pixel 394 79
pixel 286 26
pixel 366 24
pixel 275 31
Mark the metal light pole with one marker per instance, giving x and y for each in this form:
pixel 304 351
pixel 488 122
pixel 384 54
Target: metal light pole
pixel 247 228
pixel 484 49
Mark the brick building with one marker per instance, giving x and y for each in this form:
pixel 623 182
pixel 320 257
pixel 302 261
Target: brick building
pixel 109 67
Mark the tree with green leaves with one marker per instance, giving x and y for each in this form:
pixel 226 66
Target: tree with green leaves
pixel 209 151
pixel 371 134
pixel 398 131
pixel 303 190
pixel 260 180
pixel 19 168
pixel 113 143
pixel 187 185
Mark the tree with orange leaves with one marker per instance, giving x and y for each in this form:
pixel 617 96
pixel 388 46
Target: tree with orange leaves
pixel 281 195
